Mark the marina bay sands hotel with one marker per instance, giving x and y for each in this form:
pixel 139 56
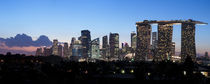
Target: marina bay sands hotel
pixel 165 29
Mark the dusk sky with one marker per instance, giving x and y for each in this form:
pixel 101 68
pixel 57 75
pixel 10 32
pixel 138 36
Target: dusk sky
pixel 64 19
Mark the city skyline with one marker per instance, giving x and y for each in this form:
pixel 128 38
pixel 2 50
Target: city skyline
pixel 63 20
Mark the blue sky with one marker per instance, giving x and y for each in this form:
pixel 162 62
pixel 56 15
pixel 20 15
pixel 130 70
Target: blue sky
pixel 63 19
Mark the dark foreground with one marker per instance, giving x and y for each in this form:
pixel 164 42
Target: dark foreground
pixel 20 69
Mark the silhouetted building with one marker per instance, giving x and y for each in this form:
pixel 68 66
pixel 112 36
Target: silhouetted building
pixel 94 49
pixel 85 38
pixel 65 50
pixel 114 45
pixel 47 51
pixel 39 52
pixel 55 47
pixel 60 50
pixel 143 41
pixel 133 40
pixel 164 41
pixel 206 55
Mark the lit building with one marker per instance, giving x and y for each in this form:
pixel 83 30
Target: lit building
pixel 164 41
pixel 65 50
pixel 60 50
pixel 39 52
pixel 105 47
pixel 85 38
pixel 133 41
pixel 143 41
pixel 55 47
pixel 188 40
pixel 114 45
pixel 76 50
pixel 94 49
pixel 71 45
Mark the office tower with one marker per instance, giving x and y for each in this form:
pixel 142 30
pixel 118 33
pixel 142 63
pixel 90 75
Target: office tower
pixel 71 45
pixel 154 40
pixel 77 49
pixel 143 41
pixel 39 52
pixel 173 49
pixel 105 47
pixel 206 55
pixel 94 49
pixel 47 51
pixel 164 41
pixel 60 50
pixel 188 40
pixel 85 38
pixel 133 41
pixel 105 42
pixel 65 50
pixel 55 47
pixel 114 45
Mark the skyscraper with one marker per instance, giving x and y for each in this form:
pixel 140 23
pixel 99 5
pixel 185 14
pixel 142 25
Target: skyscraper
pixel 60 50
pixel 105 47
pixel 188 40
pixel 94 49
pixel 65 50
pixel 39 52
pixel 55 47
pixel 47 51
pixel 164 41
pixel 133 41
pixel 71 45
pixel 143 40
pixel 85 38
pixel 114 45
pixel 76 50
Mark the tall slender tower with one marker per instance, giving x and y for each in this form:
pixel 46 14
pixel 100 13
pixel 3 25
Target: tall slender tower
pixel 55 47
pixel 65 50
pixel 114 45
pixel 143 41
pixel 133 40
pixel 85 38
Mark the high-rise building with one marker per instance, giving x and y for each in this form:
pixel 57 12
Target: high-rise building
pixel 76 50
pixel 85 38
pixel 114 45
pixel 60 50
pixel 143 41
pixel 65 50
pixel 133 41
pixel 173 52
pixel 188 40
pixel 206 55
pixel 94 49
pixel 164 41
pixel 105 46
pixel 47 51
pixel 55 47
pixel 39 52
pixel 71 45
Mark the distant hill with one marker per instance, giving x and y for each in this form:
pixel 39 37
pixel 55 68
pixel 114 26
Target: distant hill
pixel 23 40
pixel 23 44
